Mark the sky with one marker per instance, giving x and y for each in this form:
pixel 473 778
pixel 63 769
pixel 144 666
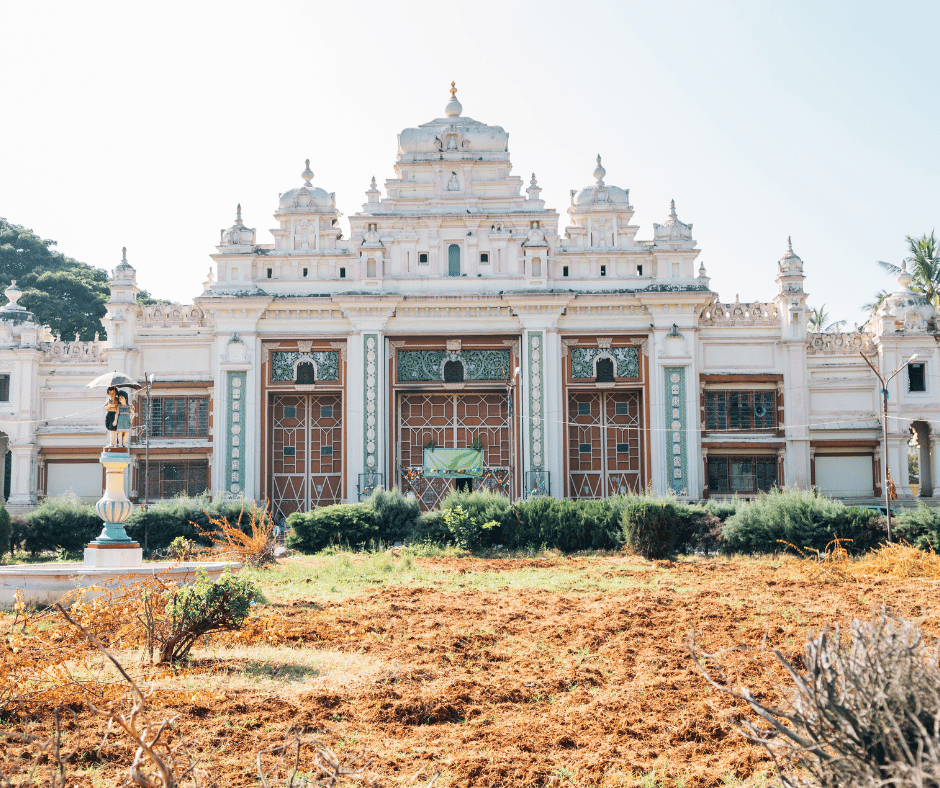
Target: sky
pixel 144 124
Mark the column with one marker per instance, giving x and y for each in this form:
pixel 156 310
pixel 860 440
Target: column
pixel 554 428
pixel 4 445
pixel 23 482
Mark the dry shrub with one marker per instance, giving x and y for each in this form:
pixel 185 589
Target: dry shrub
pixel 254 549
pixel 285 766
pixel 898 561
pixel 864 712
pixel 42 656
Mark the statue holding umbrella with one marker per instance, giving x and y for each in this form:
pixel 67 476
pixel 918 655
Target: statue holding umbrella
pixel 117 413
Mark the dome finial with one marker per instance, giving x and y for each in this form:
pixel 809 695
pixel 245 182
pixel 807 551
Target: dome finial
pixel 599 172
pixel 373 184
pixel 307 174
pixel 672 210
pixel 454 107
pixel 124 254
pixel 238 215
pixel 790 242
pixel 904 277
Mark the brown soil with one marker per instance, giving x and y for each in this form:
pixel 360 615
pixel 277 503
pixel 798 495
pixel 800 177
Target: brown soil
pixel 523 687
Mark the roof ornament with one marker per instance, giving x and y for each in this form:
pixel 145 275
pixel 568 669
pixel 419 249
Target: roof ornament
pixel 533 182
pixel 307 174
pixel 373 184
pixel 238 216
pixel 790 242
pixel 123 256
pixel 904 277
pixel 599 172
pixel 454 107
pixel 672 210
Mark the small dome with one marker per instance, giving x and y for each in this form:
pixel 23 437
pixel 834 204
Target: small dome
pixel 454 107
pixel 601 192
pixel 790 260
pixel 306 196
pixel 673 229
pixel 238 234
pixel 914 309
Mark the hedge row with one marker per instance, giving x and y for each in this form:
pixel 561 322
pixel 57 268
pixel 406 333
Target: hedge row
pixel 653 526
pixel 63 524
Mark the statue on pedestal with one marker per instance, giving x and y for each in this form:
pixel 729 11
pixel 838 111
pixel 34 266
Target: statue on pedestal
pixel 125 411
pixel 110 416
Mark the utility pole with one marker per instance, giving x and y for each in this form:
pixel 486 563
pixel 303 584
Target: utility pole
pixel 884 428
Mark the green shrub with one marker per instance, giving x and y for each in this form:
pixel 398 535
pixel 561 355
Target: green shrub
pixel 466 529
pixel 431 528
pixel 920 527
pixel 343 523
pixel 167 520
pixel 205 606
pixel 6 530
pixel 698 528
pixel 482 506
pixel 61 524
pixel 396 514
pixel 564 524
pixel 18 530
pixel 801 517
pixel 649 526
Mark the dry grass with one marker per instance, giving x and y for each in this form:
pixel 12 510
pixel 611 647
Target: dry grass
pixel 896 561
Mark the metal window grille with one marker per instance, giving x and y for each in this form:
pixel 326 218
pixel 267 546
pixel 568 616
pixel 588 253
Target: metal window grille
pixel 169 478
pixel 737 474
pixel 746 411
pixel 180 417
pixel 4 388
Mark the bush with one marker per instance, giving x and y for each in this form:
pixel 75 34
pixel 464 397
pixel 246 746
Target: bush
pixel 6 530
pixel 864 712
pixel 343 523
pixel 920 527
pixel 396 514
pixel 649 526
pixel 466 529
pixel 564 524
pixel 202 607
pixel 482 506
pixel 61 524
pixel 187 517
pixel 700 524
pixel 431 528
pixel 802 518
pixel 18 530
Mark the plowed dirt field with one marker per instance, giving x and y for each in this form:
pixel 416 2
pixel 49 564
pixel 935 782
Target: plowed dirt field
pixel 566 671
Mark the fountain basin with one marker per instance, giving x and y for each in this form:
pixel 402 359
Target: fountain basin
pixel 46 584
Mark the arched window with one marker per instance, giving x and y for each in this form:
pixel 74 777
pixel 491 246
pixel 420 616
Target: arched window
pixel 453 372
pixel 604 371
pixel 453 260
pixel 306 374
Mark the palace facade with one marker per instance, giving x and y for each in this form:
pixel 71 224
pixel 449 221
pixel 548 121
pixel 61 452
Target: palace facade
pixel 582 361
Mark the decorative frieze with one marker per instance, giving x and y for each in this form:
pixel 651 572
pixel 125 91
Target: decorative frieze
pixel 839 343
pixel 754 313
pixel 75 352
pixel 284 364
pixel 676 451
pixel 235 399
pixel 426 366
pixel 626 361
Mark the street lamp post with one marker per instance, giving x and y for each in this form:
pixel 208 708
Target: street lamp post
pixel 147 456
pixel 884 428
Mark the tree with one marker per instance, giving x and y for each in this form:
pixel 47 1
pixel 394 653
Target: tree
pixel 64 294
pixel 873 306
pixel 819 318
pixel 923 263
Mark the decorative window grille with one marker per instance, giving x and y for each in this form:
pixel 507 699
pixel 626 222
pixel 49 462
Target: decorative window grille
pixel 736 474
pixel 169 478
pixel 180 417
pixel 745 411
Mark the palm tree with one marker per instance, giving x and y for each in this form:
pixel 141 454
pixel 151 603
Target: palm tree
pixel 818 319
pixel 875 305
pixel 923 264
